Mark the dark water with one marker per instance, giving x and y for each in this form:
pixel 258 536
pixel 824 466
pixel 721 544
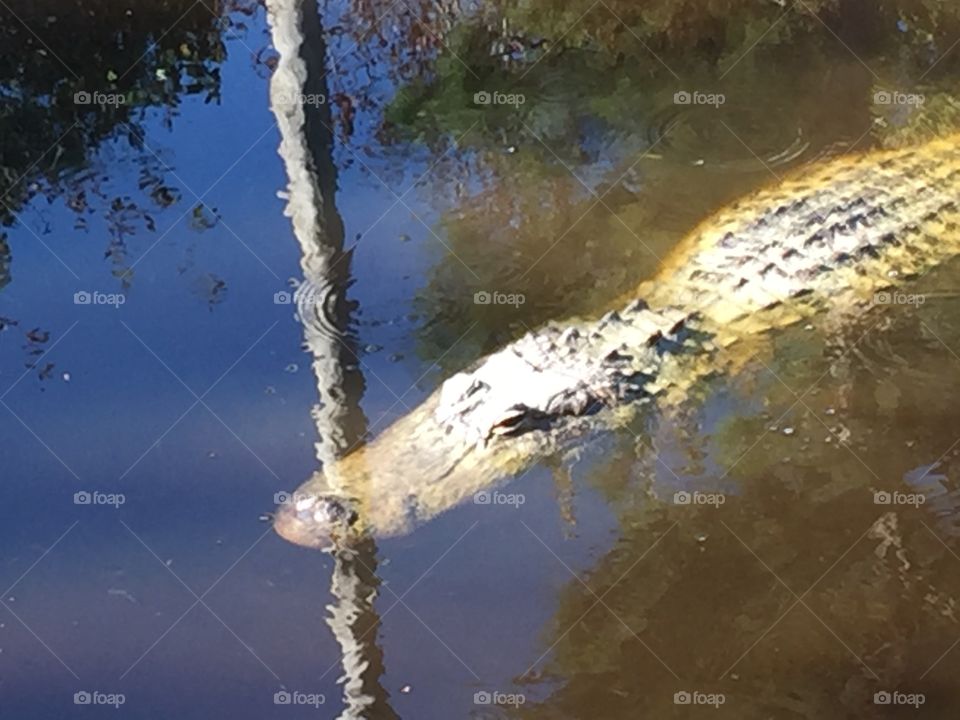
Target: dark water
pixel 183 389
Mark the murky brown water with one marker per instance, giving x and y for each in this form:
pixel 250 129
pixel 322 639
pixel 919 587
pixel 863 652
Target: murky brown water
pixel 816 573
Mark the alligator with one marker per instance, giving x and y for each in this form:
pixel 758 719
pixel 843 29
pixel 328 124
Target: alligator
pixel 823 241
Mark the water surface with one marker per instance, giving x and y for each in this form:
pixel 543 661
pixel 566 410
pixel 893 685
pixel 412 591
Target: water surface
pixel 186 385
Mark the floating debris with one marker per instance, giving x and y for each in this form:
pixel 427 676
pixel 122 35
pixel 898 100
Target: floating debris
pixel 203 217
pixel 119 592
pixel 37 335
pixel 216 289
pixel 165 196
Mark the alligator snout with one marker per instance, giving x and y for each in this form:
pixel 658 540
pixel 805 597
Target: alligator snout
pixel 318 521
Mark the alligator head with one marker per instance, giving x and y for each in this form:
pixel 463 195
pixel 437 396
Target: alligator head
pixel 316 518
pixel 483 426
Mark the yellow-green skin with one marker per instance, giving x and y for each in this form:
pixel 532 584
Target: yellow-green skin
pixel 824 240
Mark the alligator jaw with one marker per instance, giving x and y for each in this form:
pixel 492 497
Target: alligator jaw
pixel 315 518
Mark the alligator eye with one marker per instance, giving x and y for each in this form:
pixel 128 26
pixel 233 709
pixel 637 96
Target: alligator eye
pixel 328 510
pixel 510 422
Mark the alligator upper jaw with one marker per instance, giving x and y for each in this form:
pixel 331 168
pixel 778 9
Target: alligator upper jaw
pixel 292 528
pixel 314 517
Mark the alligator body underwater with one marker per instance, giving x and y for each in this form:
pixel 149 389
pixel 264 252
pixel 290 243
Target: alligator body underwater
pixel 823 240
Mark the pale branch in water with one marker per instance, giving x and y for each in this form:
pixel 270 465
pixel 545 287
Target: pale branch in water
pixel 306 148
